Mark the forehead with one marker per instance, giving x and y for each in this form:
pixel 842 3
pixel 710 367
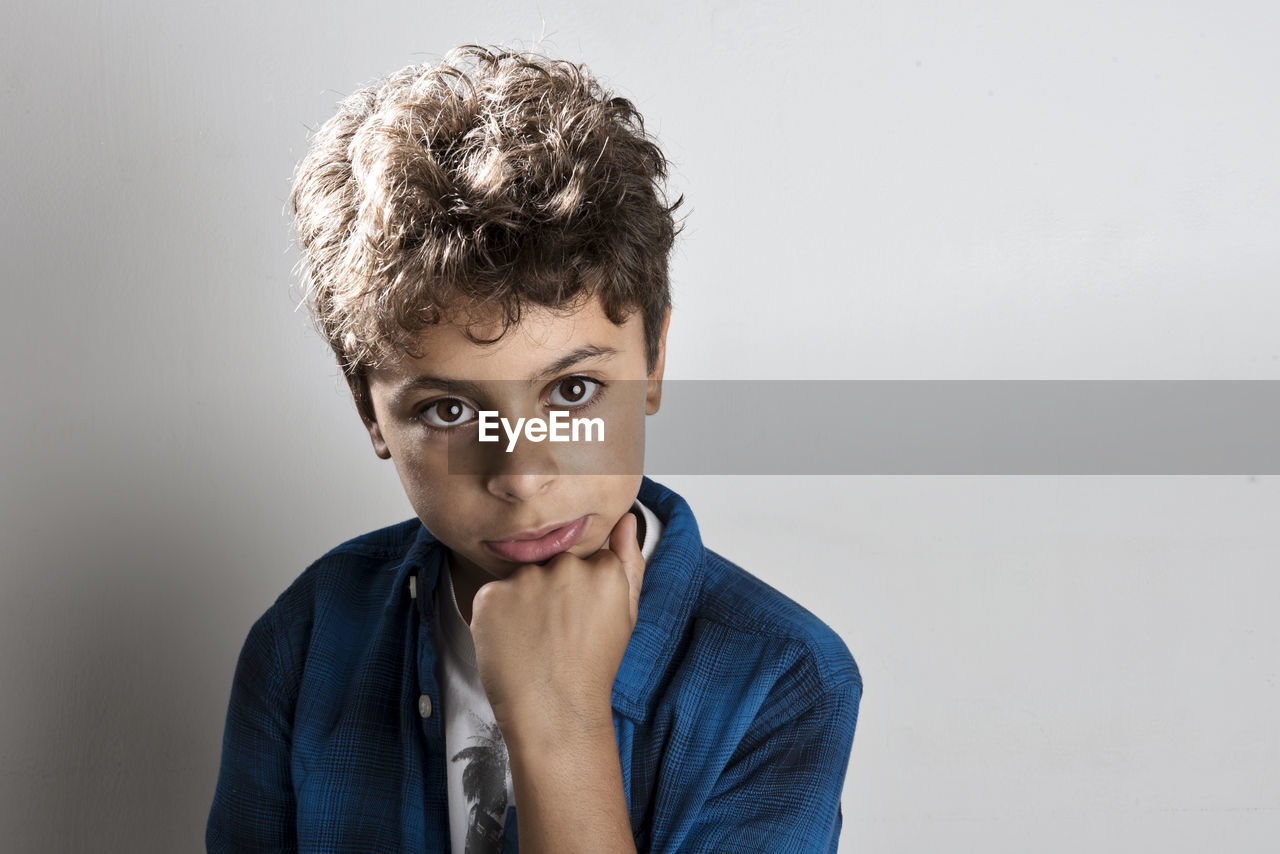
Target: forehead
pixel 476 347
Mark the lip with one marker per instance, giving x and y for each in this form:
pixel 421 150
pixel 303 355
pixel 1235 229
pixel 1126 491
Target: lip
pixel 541 544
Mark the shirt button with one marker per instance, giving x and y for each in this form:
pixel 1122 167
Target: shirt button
pixel 424 705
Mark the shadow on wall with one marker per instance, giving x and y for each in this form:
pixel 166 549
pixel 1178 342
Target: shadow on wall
pixel 117 668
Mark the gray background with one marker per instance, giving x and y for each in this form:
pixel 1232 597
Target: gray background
pixel 972 190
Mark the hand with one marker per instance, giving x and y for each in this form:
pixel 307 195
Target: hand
pixel 549 639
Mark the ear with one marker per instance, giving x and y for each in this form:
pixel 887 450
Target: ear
pixel 364 406
pixel 379 443
pixel 653 390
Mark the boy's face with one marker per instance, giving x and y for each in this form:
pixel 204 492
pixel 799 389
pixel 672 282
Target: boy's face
pixel 426 421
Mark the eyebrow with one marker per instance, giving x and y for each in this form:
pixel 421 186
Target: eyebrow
pixel 472 389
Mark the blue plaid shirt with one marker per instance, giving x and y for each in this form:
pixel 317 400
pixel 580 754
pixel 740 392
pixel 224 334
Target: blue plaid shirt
pixel 734 708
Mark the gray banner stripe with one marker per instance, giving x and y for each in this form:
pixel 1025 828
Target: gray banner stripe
pixel 1002 427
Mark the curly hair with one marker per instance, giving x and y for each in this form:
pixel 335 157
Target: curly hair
pixel 493 179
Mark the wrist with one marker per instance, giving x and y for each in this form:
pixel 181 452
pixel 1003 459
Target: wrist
pixel 547 732
pixel 569 786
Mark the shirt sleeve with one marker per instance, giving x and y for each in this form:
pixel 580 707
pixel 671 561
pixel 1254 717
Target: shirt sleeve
pixel 780 791
pixel 253 805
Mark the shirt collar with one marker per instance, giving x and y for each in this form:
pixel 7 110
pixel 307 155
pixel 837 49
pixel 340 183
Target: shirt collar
pixel 672 583
pixel 419 572
pixel 649 531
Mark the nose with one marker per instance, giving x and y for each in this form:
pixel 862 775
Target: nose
pixel 525 472
pixel 518 487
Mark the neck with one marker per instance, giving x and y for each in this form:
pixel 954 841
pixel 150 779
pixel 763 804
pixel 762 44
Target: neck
pixel 467 580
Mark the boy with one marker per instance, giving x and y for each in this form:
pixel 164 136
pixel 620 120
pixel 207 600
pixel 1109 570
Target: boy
pixel 489 236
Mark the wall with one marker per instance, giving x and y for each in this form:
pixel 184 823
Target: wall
pixel 974 190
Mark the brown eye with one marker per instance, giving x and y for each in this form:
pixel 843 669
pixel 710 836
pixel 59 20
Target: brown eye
pixel 573 391
pixel 448 412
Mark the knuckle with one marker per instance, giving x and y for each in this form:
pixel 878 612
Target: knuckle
pixel 560 561
pixel 484 596
pixel 605 558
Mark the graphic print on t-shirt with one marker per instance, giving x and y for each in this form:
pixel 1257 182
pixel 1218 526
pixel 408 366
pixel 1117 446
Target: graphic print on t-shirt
pixel 484 784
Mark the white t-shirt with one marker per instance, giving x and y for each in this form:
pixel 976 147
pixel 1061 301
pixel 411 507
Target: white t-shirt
pixel 478 773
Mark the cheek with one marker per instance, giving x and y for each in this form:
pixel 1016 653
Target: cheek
pixel 443 505
pixel 421 467
pixel 622 452
pixel 629 447
pixel 613 497
pixel 445 502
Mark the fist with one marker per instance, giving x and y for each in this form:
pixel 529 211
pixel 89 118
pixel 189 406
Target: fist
pixel 549 639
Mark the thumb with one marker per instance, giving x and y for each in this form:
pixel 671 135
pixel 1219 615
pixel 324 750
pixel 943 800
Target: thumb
pixel 622 542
